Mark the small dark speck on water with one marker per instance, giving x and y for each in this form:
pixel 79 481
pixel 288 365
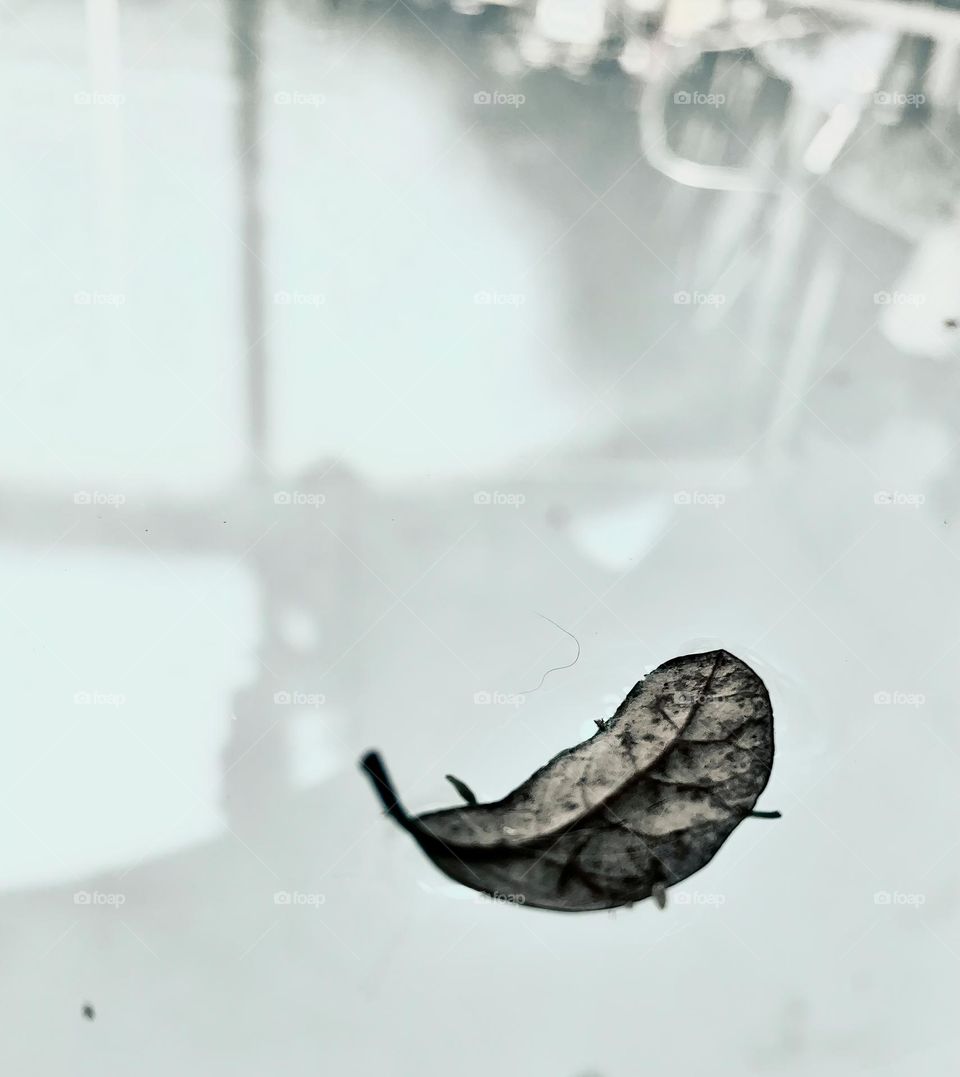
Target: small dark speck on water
pixel 88 1011
pixel 951 323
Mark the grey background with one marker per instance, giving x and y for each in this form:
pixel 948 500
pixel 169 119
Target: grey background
pixel 296 445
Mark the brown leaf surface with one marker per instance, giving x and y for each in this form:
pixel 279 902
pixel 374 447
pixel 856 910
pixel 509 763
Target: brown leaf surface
pixel 644 803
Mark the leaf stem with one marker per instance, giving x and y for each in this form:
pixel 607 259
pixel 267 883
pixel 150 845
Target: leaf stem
pixel 373 767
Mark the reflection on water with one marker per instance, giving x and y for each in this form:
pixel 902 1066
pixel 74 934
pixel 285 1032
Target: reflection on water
pixel 331 364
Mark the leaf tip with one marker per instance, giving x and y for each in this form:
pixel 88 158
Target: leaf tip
pixel 462 788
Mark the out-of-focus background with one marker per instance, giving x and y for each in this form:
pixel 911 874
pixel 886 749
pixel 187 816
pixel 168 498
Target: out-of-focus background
pixel 345 343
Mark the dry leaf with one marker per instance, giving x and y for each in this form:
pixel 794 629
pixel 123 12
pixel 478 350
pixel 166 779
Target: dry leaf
pixel 644 803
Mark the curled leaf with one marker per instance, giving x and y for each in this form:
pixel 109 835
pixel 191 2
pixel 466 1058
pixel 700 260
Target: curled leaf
pixel 642 804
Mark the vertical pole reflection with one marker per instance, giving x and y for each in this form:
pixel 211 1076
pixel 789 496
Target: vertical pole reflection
pixel 246 24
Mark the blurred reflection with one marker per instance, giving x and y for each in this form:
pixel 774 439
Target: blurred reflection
pixel 347 338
